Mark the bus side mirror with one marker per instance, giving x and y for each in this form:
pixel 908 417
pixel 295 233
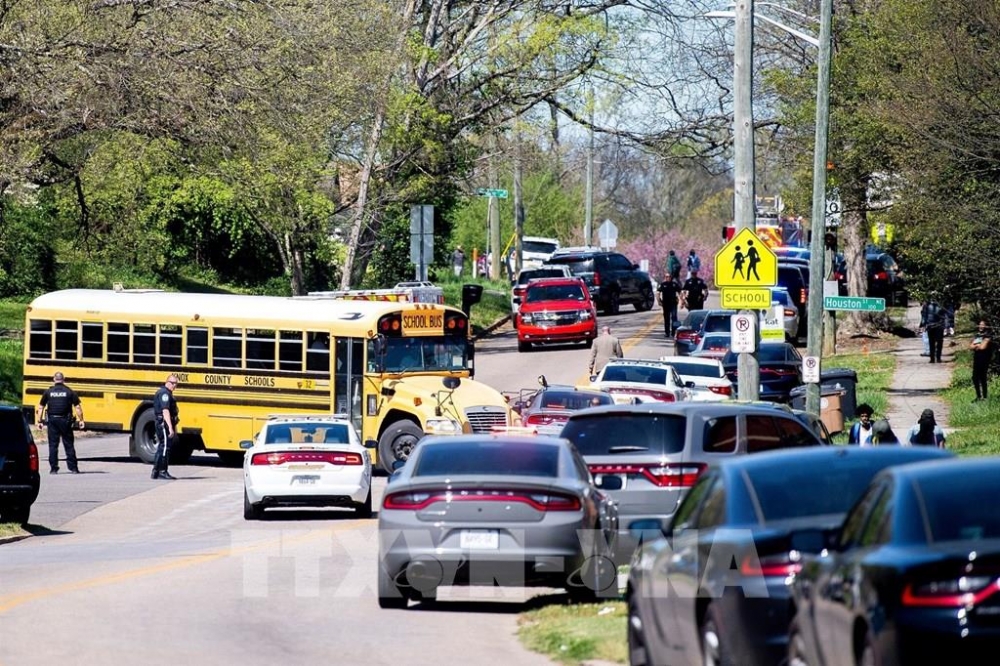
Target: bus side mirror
pixel 379 346
pixel 451 383
pixel 371 443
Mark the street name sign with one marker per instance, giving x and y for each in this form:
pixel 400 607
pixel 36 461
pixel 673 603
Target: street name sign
pixel 485 192
pixel 743 329
pixel 745 298
pixel 746 261
pixel 854 303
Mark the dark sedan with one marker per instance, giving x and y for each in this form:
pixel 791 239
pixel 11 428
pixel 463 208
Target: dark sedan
pixel 914 575
pixel 780 370
pixel 495 510
pixel 716 591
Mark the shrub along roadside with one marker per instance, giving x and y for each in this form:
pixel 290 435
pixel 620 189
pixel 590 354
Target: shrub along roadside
pixel 975 423
pixel 577 633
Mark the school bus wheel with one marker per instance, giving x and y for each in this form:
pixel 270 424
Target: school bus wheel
pixel 397 443
pixel 144 436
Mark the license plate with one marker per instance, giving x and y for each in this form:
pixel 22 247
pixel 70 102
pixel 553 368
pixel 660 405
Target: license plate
pixel 479 539
pixel 305 479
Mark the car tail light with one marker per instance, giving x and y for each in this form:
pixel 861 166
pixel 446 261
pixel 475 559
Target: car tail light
pixel 541 418
pixel 672 475
pixel 838 276
pixel 597 279
pixel 32 456
pixel 881 275
pixel 418 500
pixel 803 295
pixel 781 372
pixel 952 593
pixel 722 390
pixel 772 565
pixel 790 313
pixel 329 457
pixel 659 396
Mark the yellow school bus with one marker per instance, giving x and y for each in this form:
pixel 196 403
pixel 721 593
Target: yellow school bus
pixel 398 370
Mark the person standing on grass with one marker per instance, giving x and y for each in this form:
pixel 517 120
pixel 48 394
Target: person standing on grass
pixel 982 353
pixel 862 432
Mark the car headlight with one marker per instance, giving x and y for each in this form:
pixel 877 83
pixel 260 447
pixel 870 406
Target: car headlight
pixel 585 315
pixel 527 318
pixel 443 427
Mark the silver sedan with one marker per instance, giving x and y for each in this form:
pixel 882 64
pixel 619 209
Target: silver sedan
pixel 505 510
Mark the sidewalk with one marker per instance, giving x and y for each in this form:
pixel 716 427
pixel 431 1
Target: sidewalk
pixel 916 383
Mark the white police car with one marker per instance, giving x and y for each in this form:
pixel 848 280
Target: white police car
pixel 306 461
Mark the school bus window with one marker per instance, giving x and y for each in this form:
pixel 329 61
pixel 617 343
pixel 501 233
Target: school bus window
pixel 318 354
pixel 67 337
pixel 197 345
pixel 93 340
pixel 119 343
pixel 41 338
pixel 144 344
pixel 227 347
pixel 260 349
pixel 170 344
pixel 290 351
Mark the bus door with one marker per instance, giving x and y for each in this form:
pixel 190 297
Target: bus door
pixel 348 372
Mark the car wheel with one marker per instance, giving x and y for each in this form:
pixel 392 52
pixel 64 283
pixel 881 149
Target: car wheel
pixel 364 510
pixel 144 436
pixel 15 514
pixel 251 511
pixel 231 458
pixel 397 443
pixel 614 303
pixel 589 342
pixel 389 594
pixel 712 646
pixel 523 346
pixel 646 302
pixel 638 655
pixel 796 647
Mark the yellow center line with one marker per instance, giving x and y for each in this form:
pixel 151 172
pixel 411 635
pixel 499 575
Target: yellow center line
pixel 13 601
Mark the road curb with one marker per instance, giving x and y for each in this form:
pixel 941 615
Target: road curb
pixel 492 327
pixel 12 539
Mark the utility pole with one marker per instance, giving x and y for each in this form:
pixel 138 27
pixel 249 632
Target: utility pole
pixel 518 208
pixel 495 248
pixel 817 264
pixel 588 215
pixel 745 209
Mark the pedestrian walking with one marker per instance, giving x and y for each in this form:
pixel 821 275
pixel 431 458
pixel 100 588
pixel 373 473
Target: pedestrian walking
pixel 861 433
pixel 932 318
pixel 60 401
pixel 165 412
pixel 458 260
pixel 926 432
pixel 694 292
pixel 982 354
pixel 674 266
pixel 668 295
pixel 606 347
pixel 693 264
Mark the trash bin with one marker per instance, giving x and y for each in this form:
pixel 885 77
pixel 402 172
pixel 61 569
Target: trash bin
pixel 830 410
pixel 797 397
pixel 846 380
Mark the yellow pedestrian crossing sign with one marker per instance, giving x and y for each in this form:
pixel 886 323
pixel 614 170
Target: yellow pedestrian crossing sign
pixel 746 261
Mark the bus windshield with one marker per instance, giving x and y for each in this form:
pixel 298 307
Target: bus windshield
pixel 423 354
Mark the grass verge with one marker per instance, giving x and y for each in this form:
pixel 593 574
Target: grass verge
pixel 494 304
pixel 11 530
pixel 572 634
pixel 975 423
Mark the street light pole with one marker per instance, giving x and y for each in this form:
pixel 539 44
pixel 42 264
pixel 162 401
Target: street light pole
pixel 817 264
pixel 745 216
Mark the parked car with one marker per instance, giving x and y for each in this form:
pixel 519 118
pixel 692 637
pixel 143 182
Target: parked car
pixel 780 296
pixel 556 310
pixel 713 346
pixel 547 409
pixel 641 380
pixel 780 370
pixel 306 461
pixel 687 336
pixel 536 250
pixel 612 278
pixel 494 510
pixel 657 451
pixel 19 477
pixel 718 590
pixel 795 279
pixel 524 276
pixel 885 278
pixel 912 574
pixel 704 376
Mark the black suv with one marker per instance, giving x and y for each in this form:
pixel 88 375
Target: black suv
pixel 19 478
pixel 612 278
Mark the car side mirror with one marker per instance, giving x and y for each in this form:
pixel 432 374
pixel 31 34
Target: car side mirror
pixel 371 444
pixel 609 482
pixel 593 378
pixel 246 444
pixel 689 384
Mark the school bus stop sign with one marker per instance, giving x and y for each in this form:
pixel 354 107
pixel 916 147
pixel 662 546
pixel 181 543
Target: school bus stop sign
pixel 745 261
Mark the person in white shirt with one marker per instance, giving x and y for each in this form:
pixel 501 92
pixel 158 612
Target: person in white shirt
pixel 862 431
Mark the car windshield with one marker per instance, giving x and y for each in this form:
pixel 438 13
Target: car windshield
pixel 719 323
pixel 697 369
pixel 493 458
pixel 554 292
pixel 571 400
pixel 634 373
pixel 534 274
pixel 539 247
pixel 694 318
pixel 961 509
pixel 307 433
pixel 782 297
pixel 626 434
pixel 576 264
pixel 715 341
pixel 430 353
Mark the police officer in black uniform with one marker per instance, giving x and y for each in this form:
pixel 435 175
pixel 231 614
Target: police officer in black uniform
pixel 61 401
pixel 694 291
pixel 165 410
pixel 668 294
